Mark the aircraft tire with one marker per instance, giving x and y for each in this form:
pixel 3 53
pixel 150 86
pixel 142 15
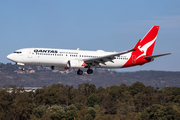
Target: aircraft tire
pixel 23 69
pixel 79 72
pixel 89 71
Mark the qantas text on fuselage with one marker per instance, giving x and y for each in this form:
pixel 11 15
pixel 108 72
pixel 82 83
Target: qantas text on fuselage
pixel 63 59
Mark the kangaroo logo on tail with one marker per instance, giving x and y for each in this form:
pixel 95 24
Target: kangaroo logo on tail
pixel 146 45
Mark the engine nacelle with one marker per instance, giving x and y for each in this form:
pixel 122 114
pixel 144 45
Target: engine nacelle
pixel 75 64
pixel 58 68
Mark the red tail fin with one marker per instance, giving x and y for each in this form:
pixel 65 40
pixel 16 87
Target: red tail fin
pixel 148 42
pixel 143 48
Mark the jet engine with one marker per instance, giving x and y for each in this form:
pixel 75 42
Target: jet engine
pixel 75 64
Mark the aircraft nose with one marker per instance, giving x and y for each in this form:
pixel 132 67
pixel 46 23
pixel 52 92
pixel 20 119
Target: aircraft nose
pixel 10 57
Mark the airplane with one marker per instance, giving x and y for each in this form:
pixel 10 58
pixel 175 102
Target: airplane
pixel 63 59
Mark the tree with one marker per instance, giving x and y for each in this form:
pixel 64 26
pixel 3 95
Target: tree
pixel 148 90
pixel 88 117
pixel 109 104
pixel 70 115
pixel 40 110
pixel 38 96
pixel 86 88
pixel 79 106
pixel 91 111
pixel 0 114
pixel 177 116
pixel 56 112
pixel 157 112
pixel 82 113
pixel 101 93
pixel 177 99
pixel 46 116
pixel 136 87
pixel 22 108
pixel 92 100
pixel 116 92
pixel 5 101
pixel 123 86
pixel 71 107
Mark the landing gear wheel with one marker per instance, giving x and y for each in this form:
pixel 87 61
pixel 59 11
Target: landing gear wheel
pixel 89 71
pixel 23 69
pixel 79 72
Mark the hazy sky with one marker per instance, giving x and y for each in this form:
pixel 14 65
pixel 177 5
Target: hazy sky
pixel 109 25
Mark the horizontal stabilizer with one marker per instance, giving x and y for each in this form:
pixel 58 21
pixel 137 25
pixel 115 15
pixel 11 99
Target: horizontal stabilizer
pixel 155 56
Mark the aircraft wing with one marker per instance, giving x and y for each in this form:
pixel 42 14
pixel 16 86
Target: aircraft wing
pixel 106 58
pixel 103 59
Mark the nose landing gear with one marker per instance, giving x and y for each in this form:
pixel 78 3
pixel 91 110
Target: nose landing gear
pixel 23 69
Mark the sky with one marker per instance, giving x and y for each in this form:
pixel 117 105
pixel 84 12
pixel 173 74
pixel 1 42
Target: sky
pixel 91 25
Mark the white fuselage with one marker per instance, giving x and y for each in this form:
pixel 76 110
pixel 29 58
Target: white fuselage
pixel 60 57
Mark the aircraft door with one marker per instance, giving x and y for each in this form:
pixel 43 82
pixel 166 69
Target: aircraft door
pixel 134 59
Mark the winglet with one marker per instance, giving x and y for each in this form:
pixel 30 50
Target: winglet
pixel 136 46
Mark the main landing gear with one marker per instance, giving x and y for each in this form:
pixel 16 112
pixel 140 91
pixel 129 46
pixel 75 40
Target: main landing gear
pixel 80 72
pixel 89 71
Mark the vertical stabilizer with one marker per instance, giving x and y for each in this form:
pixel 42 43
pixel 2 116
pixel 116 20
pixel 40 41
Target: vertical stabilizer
pixel 143 48
pixel 146 45
pixel 148 42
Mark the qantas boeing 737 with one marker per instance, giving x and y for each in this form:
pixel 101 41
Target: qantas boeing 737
pixel 63 59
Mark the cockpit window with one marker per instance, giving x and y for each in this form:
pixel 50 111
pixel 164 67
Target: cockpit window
pixel 18 52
